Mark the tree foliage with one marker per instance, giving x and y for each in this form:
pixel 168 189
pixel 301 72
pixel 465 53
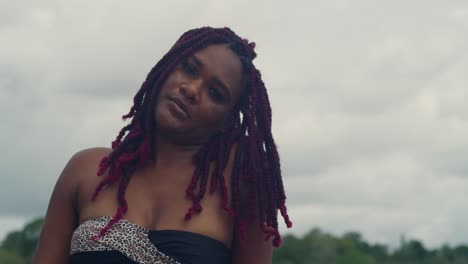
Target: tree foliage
pixel 320 247
pixel 314 247
pixel 18 246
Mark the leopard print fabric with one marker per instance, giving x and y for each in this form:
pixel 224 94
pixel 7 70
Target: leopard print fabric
pixel 128 238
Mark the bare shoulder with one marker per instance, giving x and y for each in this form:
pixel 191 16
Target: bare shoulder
pixel 62 213
pixel 88 158
pixel 83 168
pixel 79 169
pixel 84 164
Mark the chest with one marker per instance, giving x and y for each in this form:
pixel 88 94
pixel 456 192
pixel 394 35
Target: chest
pixel 158 191
pixel 155 198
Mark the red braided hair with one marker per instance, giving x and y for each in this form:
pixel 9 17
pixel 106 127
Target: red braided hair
pixel 256 161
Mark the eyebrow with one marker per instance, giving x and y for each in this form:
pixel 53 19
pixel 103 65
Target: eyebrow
pixel 216 79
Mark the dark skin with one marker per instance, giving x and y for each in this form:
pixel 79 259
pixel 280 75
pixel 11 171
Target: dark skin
pixel 208 84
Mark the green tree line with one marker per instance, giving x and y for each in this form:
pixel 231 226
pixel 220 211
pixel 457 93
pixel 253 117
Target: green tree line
pixel 314 247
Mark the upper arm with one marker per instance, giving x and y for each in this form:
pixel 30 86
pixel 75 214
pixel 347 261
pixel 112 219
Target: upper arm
pixel 254 249
pixel 62 216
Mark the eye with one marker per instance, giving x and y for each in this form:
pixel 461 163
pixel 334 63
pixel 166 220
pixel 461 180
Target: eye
pixel 215 94
pixel 188 68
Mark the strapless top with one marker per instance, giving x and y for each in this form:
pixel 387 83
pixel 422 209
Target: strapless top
pixel 126 242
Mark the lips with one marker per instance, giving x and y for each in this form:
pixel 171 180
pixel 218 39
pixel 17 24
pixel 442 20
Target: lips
pixel 181 105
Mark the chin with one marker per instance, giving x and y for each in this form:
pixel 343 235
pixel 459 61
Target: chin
pixel 165 121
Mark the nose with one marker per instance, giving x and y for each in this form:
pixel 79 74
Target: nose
pixel 191 90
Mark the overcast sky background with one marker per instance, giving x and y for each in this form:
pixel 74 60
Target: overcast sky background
pixel 370 101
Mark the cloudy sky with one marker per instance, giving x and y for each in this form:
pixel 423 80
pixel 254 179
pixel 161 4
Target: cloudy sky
pixel 369 101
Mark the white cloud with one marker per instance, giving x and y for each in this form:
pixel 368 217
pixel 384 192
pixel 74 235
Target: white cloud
pixel 369 101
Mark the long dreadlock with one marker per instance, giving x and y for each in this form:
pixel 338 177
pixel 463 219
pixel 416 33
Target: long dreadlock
pixel 256 160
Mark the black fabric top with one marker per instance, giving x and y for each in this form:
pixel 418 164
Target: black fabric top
pixel 127 240
pixel 190 248
pixel 185 247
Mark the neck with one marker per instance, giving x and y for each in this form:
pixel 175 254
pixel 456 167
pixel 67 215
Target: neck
pixel 169 153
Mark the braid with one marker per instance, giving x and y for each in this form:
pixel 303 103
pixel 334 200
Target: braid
pixel 256 172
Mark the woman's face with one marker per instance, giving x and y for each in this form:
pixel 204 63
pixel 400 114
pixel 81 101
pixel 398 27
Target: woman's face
pixel 198 96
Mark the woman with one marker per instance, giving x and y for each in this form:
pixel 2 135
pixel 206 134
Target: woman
pixel 199 138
